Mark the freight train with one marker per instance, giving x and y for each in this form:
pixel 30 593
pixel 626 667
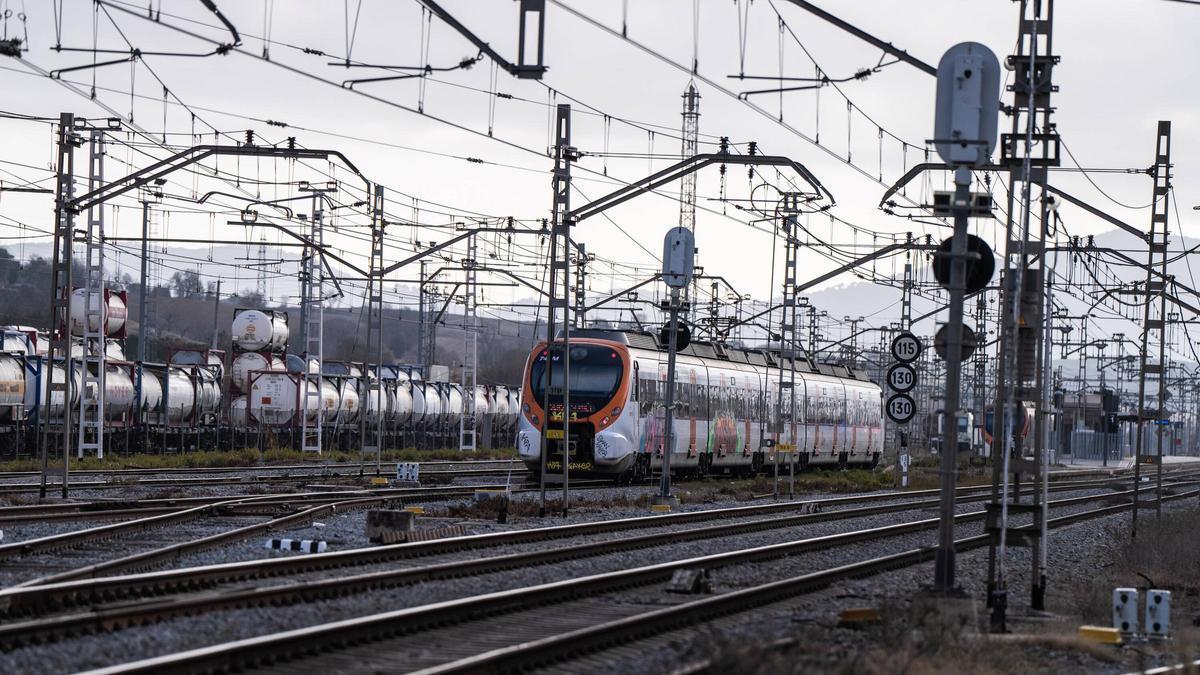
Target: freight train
pixel 728 415
pixel 198 400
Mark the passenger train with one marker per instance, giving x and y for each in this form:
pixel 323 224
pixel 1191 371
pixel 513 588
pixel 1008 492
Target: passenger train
pixel 728 416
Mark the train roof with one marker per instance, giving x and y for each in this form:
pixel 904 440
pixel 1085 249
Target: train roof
pixel 767 358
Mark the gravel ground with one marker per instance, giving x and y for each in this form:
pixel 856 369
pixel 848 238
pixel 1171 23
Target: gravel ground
pixel 190 632
pixel 822 646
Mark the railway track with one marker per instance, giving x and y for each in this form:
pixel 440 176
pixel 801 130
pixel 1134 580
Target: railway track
pixel 429 466
pixel 566 616
pixel 109 598
pixel 99 510
pixel 369 555
pixel 256 479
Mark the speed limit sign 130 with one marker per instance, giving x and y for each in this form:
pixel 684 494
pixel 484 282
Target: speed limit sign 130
pixel 901 408
pixel 901 378
pixel 906 347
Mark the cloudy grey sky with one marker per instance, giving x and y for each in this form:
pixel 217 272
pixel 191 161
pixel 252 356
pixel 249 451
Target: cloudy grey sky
pixel 1125 65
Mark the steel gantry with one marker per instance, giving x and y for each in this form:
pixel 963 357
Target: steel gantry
pixel 786 420
pixel 93 326
pixel 1030 147
pixel 312 312
pixel 60 312
pixel 375 400
pixel 1154 322
pixel 468 425
pixel 558 308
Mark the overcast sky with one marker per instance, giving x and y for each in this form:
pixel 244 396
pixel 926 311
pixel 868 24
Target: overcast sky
pixel 1125 65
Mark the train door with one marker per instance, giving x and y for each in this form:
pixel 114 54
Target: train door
pixel 844 422
pixel 699 410
pixel 803 436
pixel 826 422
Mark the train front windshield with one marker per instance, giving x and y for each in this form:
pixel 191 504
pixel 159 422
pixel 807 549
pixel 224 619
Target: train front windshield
pixel 595 376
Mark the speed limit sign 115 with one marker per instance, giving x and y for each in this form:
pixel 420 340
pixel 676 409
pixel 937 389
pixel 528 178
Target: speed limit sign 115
pixel 906 347
pixel 901 408
pixel 901 378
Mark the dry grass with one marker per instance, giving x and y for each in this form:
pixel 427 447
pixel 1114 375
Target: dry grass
pixel 745 489
pixel 1166 555
pixel 902 644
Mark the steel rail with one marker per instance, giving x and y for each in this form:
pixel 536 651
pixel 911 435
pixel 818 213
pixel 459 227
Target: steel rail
pixel 364 556
pixel 20 488
pixel 108 619
pixel 556 648
pixel 436 492
pixel 208 505
pixel 439 467
pixel 174 551
pixel 279 647
pixel 33 598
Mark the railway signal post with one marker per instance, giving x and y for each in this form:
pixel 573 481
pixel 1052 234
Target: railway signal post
pixel 965 128
pixel 679 250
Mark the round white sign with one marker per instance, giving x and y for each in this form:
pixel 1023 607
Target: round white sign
pixel 906 347
pixel 901 408
pixel 901 378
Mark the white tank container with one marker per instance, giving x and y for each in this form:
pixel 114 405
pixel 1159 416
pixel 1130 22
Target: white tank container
pixel 427 404
pixel 118 392
pixel 12 387
pixel 483 404
pixel 52 408
pixel 113 313
pixel 370 402
pixel 330 402
pixel 209 392
pixel 273 399
pixel 514 406
pixel 214 359
pixel 348 401
pixel 237 412
pixel 247 363
pixel 255 330
pixel 151 391
pixel 180 397
pixel 500 411
pixel 114 350
pixel 17 342
pixel 453 400
pixel 402 408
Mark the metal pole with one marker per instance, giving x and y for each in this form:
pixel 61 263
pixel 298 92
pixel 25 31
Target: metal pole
pixel 944 556
pixel 143 325
pixel 216 313
pixel 669 443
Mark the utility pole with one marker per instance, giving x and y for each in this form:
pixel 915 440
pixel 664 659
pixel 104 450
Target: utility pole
pixel 216 314
pixel 687 186
pixel 1154 321
pixel 979 382
pixel 60 309
pixel 93 330
pixel 262 268
pixel 1021 321
pixel 467 426
pixel 560 282
pixel 784 425
pixel 313 300
pixel 372 439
